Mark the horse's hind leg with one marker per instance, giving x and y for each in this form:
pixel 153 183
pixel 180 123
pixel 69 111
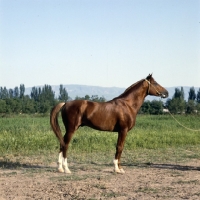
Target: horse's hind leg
pixel 62 157
pixel 60 160
pixel 67 139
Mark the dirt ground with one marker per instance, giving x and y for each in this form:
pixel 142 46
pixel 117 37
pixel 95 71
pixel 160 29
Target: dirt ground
pixel 98 181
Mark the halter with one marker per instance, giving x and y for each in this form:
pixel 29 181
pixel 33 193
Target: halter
pixel 160 94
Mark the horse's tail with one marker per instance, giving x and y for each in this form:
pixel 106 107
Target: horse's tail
pixel 54 122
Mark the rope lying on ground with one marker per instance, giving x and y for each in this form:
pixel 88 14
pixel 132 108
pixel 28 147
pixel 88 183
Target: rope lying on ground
pixel 182 124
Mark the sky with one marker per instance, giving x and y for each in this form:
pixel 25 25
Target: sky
pixel 99 42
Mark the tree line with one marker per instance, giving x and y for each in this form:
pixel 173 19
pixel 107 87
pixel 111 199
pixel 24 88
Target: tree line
pixel 42 99
pixel 176 105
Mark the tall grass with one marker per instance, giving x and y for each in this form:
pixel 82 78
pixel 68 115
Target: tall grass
pixel 32 135
pixel 25 135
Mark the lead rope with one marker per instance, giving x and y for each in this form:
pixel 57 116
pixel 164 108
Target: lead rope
pixel 182 124
pixel 196 130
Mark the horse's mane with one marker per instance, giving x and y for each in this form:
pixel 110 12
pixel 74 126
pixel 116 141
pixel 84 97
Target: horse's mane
pixel 130 87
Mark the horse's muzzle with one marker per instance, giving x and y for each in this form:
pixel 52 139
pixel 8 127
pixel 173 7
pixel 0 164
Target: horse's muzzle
pixel 164 94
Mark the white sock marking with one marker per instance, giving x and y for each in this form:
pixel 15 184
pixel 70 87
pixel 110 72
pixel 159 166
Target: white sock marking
pixel 116 167
pixel 60 159
pixel 65 166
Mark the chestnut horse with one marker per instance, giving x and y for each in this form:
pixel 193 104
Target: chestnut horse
pixel 116 115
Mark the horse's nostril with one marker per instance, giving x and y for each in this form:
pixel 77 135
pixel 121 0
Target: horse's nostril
pixel 165 95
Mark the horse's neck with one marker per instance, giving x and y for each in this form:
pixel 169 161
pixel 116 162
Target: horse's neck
pixel 135 96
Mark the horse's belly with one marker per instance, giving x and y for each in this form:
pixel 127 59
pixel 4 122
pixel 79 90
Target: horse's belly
pixel 101 124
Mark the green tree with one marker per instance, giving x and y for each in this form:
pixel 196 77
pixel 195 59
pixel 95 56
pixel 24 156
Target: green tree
pixel 97 99
pixel 4 94
pixel 198 101
pixel 179 93
pixel 29 105
pixel 46 98
pixel 177 103
pixel 22 91
pixel 94 98
pixel 78 98
pixel 87 97
pixel 63 94
pixel 34 94
pixel 191 107
pixel 11 93
pixel 21 96
pixel 192 95
pixel 13 105
pixel 146 107
pixel 16 92
pixel 102 99
pixel 191 104
pixel 44 106
pixel 182 93
pixel 198 96
pixel 198 108
pixel 156 107
pixel 2 106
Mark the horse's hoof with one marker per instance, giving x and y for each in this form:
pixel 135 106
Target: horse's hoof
pixel 61 170
pixel 119 171
pixel 67 171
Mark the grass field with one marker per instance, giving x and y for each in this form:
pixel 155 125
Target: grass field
pixel 161 160
pixel 153 139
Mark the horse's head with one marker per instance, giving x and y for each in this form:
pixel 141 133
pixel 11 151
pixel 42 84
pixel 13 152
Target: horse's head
pixel 154 88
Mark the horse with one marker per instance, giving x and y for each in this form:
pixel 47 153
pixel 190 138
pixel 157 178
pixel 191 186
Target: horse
pixel 116 115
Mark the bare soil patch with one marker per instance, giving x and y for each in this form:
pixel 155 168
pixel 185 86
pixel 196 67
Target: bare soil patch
pixel 36 180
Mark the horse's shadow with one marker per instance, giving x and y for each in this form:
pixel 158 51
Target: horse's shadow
pixel 10 165
pixel 164 166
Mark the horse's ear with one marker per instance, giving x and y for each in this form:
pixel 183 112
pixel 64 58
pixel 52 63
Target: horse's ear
pixel 149 77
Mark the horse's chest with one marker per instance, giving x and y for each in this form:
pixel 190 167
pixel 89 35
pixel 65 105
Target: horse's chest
pixel 131 123
pixel 127 120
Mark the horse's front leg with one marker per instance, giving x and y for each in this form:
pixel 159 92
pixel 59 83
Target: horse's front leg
pixel 62 158
pixel 119 149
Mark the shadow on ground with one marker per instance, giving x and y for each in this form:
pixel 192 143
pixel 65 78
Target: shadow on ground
pixel 16 165
pixel 165 166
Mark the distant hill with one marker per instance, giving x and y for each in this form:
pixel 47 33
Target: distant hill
pixel 107 92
